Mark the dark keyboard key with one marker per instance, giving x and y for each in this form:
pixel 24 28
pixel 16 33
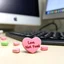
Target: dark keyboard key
pixel 48 35
pixel 41 34
pixel 56 35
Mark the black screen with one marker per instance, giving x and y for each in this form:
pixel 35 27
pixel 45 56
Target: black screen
pixel 23 7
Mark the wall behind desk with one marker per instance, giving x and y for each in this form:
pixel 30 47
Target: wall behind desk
pixel 6 27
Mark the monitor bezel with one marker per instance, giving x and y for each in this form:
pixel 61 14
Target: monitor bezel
pixel 6 18
pixel 51 16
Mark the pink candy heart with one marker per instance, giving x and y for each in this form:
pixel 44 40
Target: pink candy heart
pixel 31 45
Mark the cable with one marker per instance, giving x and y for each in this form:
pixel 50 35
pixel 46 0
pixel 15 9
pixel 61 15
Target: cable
pixel 55 26
pixel 48 25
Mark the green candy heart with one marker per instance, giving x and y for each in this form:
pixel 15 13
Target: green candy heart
pixel 5 43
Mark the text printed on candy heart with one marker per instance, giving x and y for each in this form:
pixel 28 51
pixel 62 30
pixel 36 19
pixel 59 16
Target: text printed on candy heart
pixel 32 46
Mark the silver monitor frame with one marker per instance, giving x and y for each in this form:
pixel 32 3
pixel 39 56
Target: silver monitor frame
pixel 51 16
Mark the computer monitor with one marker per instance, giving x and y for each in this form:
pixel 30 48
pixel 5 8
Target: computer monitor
pixel 54 9
pixel 19 12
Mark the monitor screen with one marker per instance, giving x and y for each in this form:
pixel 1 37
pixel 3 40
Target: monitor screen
pixel 17 9
pixel 25 7
pixel 54 9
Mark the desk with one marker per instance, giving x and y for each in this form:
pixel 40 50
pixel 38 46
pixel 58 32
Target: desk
pixel 55 55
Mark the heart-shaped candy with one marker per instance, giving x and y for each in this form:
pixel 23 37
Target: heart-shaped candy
pixel 31 45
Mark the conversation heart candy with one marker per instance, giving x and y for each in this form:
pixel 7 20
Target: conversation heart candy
pixel 44 48
pixel 31 44
pixel 3 38
pixel 16 43
pixel 16 50
pixel 4 43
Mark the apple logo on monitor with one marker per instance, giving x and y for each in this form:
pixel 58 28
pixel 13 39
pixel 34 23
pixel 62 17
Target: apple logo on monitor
pixel 15 18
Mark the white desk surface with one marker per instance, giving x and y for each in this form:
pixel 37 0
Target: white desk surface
pixel 54 55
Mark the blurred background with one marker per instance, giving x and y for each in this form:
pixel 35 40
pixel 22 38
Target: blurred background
pixel 23 28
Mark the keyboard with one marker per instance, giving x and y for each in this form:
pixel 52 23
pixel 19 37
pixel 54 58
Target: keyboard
pixel 47 37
